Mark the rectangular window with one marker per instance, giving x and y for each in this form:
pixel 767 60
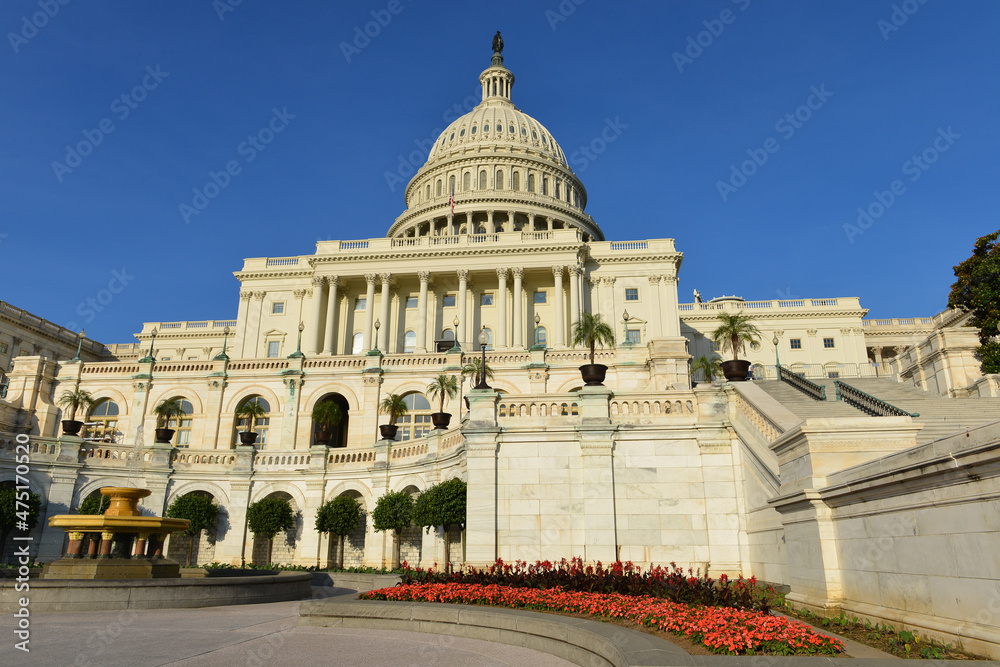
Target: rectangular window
pixel 715 346
pixel 3 348
pixel 164 358
pixel 540 296
pixel 828 343
pixel 273 348
pixel 361 303
pixel 411 301
pixel 631 293
pixel 449 300
pixel 278 308
pixel 485 299
pixel 633 336
pixel 24 352
pixel 795 343
pixel 833 374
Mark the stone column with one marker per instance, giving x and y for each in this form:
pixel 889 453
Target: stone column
pixel 668 304
pixel 557 271
pixel 451 224
pixel 481 436
pixel 424 277
pixel 548 223
pixel 463 285
pixel 490 228
pixel 502 309
pixel 331 314
pixel 656 318
pixel 510 221
pixel 370 278
pixel 314 326
pixel 213 414
pixel 384 338
pixel 531 222
pixel 574 294
pixel 596 437
pixel 518 306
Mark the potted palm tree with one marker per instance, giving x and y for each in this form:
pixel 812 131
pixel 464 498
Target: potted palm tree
pixel 165 411
pixel 73 400
pixel 250 410
pixel 326 415
pixel 443 386
pixel 590 330
pixel 473 370
pixel 733 333
pixel 710 366
pixel 394 406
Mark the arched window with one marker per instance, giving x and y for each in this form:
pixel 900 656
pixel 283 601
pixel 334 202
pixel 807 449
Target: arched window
pixel 451 184
pixel 541 336
pixel 515 181
pixel 448 334
pixel 416 423
pixel 531 182
pixel 410 342
pixel 103 422
pixel 545 185
pixel 182 423
pixel 499 181
pixel 489 342
pixel 439 187
pixel 261 425
pixel 482 179
pixel 358 343
pixel 428 192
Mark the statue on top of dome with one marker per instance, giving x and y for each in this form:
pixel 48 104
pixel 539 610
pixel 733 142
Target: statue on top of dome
pixel 497 43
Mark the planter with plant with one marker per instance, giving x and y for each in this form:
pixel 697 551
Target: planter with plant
pixel 711 367
pixel 165 411
pixel 590 330
pixel 73 400
pixel 442 387
pixel 251 411
pixel 473 370
pixel 733 334
pixel 395 406
pixel 326 415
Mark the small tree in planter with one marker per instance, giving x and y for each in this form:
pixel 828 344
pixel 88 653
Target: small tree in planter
pixel 200 510
pixel 326 415
pixel 393 511
pixel 443 386
pixel 710 366
pixel 339 517
pixel 250 410
pixel 165 411
pixel 23 516
pixel 474 369
pixel 73 400
pixel 442 505
pixel 393 405
pixel 268 517
pixel 733 333
pixel 590 330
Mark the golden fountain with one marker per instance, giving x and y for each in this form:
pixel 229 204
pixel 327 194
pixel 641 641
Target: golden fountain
pixel 139 538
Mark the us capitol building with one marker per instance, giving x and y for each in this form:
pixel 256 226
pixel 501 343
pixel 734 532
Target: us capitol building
pixel 865 478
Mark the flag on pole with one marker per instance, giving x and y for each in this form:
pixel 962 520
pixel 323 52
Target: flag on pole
pixel 451 200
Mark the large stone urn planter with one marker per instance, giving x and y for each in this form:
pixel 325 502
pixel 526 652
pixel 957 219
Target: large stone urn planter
pixel 593 374
pixel 736 370
pixel 440 419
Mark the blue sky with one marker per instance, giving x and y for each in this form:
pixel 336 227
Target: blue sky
pixel 698 89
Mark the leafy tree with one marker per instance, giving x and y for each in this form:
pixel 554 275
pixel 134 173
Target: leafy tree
pixel 710 366
pixel 166 410
pixel 393 405
pixel 393 511
pixel 442 505
pixel 590 330
pixel 977 290
pixel 75 399
pixel 734 332
pixel 252 411
pixel 443 386
pixel 200 510
pixel 268 517
pixel 339 516
pixel 95 503
pixel 473 369
pixel 22 518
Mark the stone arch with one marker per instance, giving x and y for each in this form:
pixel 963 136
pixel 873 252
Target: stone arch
pixel 201 547
pixel 354 541
pixel 114 395
pixel 314 395
pixel 246 392
pixel 411 538
pixel 188 394
pixel 341 430
pixel 285 543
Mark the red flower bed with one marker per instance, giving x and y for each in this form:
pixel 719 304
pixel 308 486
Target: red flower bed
pixel 721 629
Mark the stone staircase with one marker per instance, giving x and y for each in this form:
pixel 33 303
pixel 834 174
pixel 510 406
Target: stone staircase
pixel 940 416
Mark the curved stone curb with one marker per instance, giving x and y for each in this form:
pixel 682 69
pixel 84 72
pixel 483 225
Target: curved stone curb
pixel 580 641
pixel 359 581
pixel 90 595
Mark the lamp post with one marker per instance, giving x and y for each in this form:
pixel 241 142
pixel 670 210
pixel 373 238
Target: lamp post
pixel 456 346
pixel 149 357
pixel 538 322
pixel 222 356
pixel 297 354
pixel 484 338
pixel 777 363
pixel 378 325
pixel 79 344
pixel 626 318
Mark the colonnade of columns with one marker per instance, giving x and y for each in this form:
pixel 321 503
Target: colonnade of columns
pixel 451 224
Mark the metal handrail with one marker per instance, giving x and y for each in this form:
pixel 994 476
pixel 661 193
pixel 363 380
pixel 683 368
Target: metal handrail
pixel 867 403
pixel 807 387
